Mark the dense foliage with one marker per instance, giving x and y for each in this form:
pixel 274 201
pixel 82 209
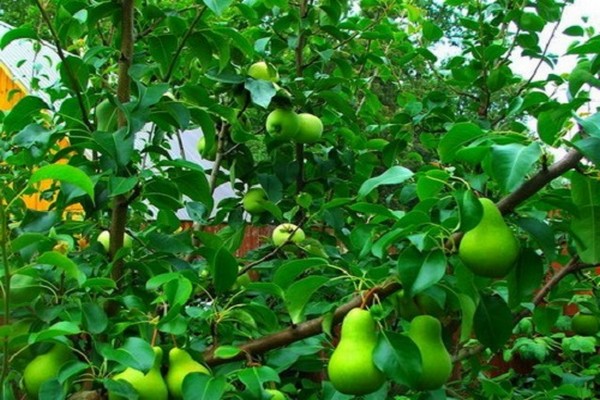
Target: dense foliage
pixel 423 114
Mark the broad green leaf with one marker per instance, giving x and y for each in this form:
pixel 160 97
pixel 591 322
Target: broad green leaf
pixel 64 173
pixel 256 377
pixel 75 67
pixel 470 209
pixel 162 49
pixel 591 124
pixel 22 32
pixel 198 386
pixel 120 185
pixel 135 353
pixel 432 32
pixel 525 278
pixel 398 357
pixel 493 321
pixel 511 163
pixel 287 272
pixel 586 229
pixel 58 329
pixel 62 262
pixel 542 233
pixel 178 291
pixel 299 293
pixel 261 91
pixel 217 6
pixel 467 311
pixel 224 269
pixel 585 190
pixel 24 113
pixel 28 239
pixel 590 148
pixel 420 271
pixel 392 176
pixel 550 123
pixel 225 352
pixel 431 183
pixel 94 318
pixel 457 138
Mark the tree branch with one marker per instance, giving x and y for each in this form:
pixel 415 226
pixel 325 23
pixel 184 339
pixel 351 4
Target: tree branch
pixel 301 331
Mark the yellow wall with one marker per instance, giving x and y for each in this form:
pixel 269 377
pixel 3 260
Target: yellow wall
pixel 10 94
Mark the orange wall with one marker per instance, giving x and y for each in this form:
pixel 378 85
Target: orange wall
pixel 10 91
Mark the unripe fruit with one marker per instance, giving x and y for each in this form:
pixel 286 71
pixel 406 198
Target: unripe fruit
pixel 283 123
pixel 287 233
pixel 585 324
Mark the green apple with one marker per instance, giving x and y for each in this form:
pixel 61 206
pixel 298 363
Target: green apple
pixel 201 146
pixel 310 128
pixel 283 123
pixel 104 239
pixel 254 200
pixel 287 233
pixel 585 324
pixel 262 70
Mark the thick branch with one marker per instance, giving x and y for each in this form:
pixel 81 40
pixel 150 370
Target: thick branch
pixel 539 180
pixel 300 331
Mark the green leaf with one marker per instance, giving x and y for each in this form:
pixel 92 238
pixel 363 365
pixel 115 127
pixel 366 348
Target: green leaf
pixel 299 293
pixel 470 209
pixel 119 185
pixel 431 183
pixel 135 353
pixel 64 173
pixel 261 91
pixel 542 233
pixel 550 123
pixel 74 66
pixel 162 49
pixel 94 318
pixel 586 229
pixel 431 31
pixel 585 190
pixel 217 6
pixel 58 329
pixel 22 32
pixel 287 272
pixel 525 278
pixel 398 357
pixel 64 263
pixel 254 379
pixel 590 148
pixel 493 321
pixel 225 352
pixel 420 271
pixel 198 386
pixel 591 124
pixel 392 176
pixel 467 310
pixel 24 113
pixel 224 269
pixel 512 163
pixel 178 291
pixel 457 138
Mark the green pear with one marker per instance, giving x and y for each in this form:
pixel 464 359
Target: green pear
pixel 264 71
pixel 351 368
pixel 490 249
pixel 150 386
pixel 585 324
pixel 426 332
pixel 310 128
pixel 254 200
pixel 283 123
pixel 180 365
pixel 45 367
pixel 275 394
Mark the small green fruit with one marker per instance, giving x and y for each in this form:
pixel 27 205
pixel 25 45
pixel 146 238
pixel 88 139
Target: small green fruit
pixel 310 128
pixel 104 239
pixel 283 123
pixel 585 324
pixel 107 116
pixel 275 394
pixel 262 70
pixel 287 233
pixel 180 365
pixel 254 200
pixel 150 386
pixel 45 367
pixel 490 249
pixel 426 332
pixel 351 368
pixel 201 146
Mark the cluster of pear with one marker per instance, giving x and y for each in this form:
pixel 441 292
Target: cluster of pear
pixel 302 128
pixel 352 369
pixel 152 386
pixel 490 249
